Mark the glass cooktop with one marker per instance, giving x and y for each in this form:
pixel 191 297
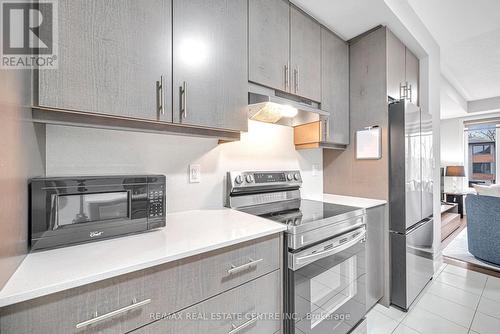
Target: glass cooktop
pixel 309 212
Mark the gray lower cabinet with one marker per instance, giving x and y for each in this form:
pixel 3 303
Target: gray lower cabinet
pixel 375 250
pixel 305 55
pixel 268 43
pixel 132 300
pixel 335 86
pixel 246 309
pixel 111 55
pixel 210 71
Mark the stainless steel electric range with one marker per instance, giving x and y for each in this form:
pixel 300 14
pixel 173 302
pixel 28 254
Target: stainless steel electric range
pixel 325 283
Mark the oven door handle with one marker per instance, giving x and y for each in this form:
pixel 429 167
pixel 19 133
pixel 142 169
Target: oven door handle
pixel 301 261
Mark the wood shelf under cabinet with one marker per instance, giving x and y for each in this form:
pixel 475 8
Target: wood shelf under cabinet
pixel 313 135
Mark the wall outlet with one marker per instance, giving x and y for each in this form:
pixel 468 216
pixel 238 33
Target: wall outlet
pixel 194 173
pixel 315 169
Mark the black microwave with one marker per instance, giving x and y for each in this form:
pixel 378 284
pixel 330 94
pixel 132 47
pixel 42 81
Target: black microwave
pixel 70 210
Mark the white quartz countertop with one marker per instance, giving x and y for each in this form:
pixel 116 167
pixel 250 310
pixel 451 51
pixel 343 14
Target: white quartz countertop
pixel 187 233
pixel 360 202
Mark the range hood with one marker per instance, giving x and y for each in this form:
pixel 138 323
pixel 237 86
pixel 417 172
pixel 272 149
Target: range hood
pixel 267 105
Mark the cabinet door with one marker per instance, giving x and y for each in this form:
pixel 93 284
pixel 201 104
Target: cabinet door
pixel 247 309
pixel 395 65
pixel 305 55
pixel 210 85
pixel 375 250
pixel 335 85
pixel 412 73
pixel 111 54
pixel 269 42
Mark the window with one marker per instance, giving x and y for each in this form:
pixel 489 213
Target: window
pixel 481 149
pixel 481 158
pixel 481 168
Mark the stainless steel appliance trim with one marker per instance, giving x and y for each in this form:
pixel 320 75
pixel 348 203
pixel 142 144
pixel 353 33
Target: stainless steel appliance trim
pixel 317 252
pixel 243 326
pixel 351 215
pixel 245 187
pixel 251 200
pixel 245 266
pixel 297 241
pixel 111 314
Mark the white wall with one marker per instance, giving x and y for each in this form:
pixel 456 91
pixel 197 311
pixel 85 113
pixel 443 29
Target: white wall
pixel 452 142
pixel 453 150
pixel 87 151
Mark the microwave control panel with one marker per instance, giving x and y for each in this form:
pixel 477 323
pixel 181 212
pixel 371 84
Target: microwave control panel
pixel 156 198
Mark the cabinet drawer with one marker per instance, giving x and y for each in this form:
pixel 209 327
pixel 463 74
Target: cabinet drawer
pixel 163 289
pixel 252 308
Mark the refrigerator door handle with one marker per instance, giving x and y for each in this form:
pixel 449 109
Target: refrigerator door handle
pixel 418 225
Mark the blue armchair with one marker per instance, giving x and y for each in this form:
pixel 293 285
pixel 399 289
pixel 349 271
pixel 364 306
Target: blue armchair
pixel 483 227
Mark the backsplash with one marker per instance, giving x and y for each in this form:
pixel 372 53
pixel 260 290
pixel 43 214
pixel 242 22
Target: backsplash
pixel 87 151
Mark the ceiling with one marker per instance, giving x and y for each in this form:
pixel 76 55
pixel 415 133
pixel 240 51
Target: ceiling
pixel 468 33
pixel 347 19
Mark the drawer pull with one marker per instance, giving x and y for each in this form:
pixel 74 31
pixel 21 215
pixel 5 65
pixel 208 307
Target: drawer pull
pixel 111 314
pixel 243 326
pixel 252 263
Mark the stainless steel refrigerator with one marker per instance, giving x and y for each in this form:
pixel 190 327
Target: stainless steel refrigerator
pixel 410 202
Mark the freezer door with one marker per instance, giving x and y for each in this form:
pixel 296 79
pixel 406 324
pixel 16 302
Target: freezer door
pixel 427 156
pixel 412 263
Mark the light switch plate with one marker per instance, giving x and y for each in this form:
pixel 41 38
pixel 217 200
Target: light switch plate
pixel 194 173
pixel 315 169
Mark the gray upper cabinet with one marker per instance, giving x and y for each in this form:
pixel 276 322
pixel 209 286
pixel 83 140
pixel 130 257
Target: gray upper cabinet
pixel 111 55
pixel 268 41
pixel 412 73
pixel 402 70
pixel 335 86
pixel 305 55
pixel 395 65
pixel 210 79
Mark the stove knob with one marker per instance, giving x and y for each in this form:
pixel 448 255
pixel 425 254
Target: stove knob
pixel 249 178
pixel 296 176
pixel 238 179
pixel 289 177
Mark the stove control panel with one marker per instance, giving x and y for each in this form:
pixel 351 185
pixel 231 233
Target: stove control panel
pixel 264 179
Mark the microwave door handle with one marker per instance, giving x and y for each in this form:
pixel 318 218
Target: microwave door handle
pixel 54 215
pixel 306 259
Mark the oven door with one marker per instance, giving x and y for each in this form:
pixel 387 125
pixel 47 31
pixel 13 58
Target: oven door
pixel 326 287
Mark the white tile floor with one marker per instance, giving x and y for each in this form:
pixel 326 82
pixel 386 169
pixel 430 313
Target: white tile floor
pixel 456 301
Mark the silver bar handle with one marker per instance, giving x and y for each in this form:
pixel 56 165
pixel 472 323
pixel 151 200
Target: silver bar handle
pixel 295 85
pixel 335 250
pixel 160 86
pixel 235 269
pixel 298 79
pixel 286 77
pixel 183 90
pixel 411 95
pixel 243 326
pixel 327 125
pixel 111 314
pixel 402 91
